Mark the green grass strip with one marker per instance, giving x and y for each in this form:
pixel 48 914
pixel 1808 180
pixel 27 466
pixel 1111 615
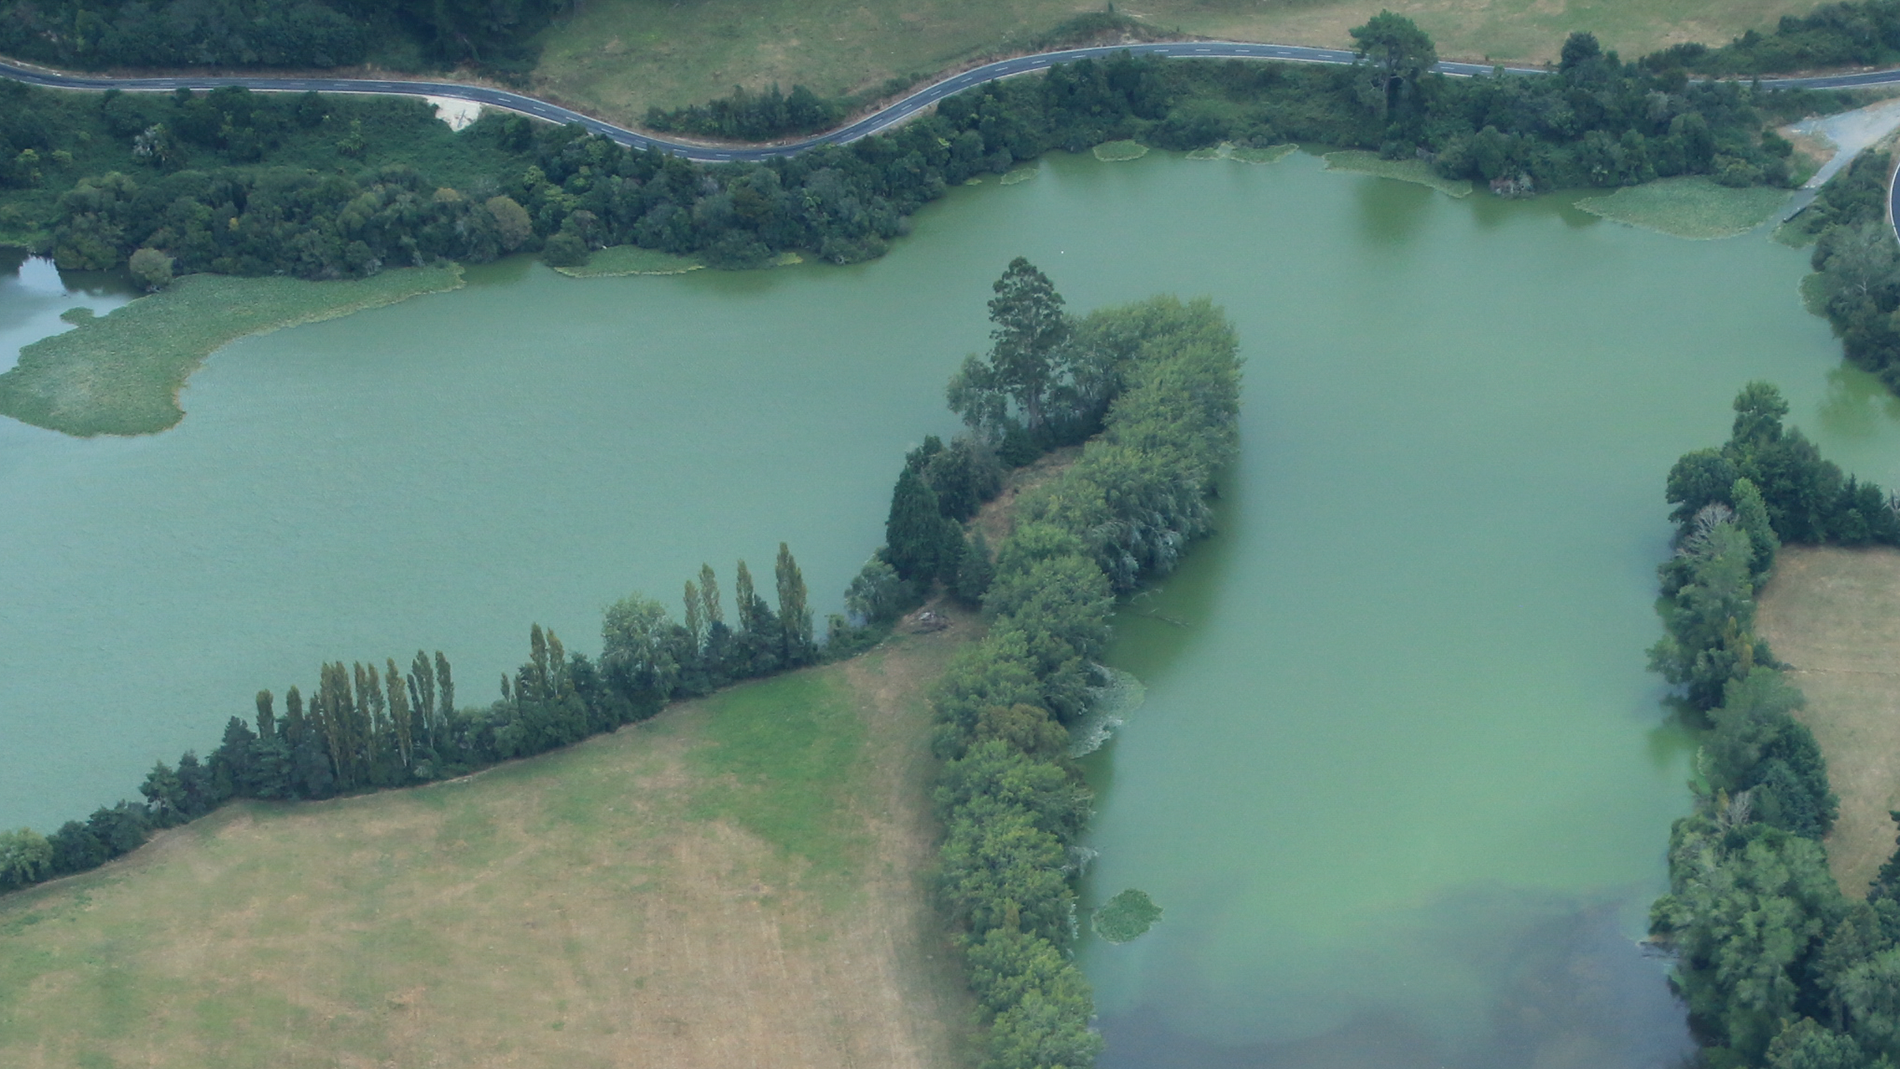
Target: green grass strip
pixel 632 260
pixel 1693 207
pixel 1119 151
pixel 1357 161
pixel 1126 916
pixel 121 373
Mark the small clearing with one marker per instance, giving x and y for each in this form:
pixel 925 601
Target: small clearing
pixel 1833 614
pixel 736 883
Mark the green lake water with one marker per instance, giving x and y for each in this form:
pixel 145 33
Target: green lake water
pixel 1400 781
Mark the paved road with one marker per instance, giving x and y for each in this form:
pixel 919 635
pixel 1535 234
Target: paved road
pixel 864 127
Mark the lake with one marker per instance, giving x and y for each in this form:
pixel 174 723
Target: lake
pixel 1400 781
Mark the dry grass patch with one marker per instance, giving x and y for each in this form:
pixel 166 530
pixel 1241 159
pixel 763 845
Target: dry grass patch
pixel 737 883
pixel 620 57
pixel 1834 615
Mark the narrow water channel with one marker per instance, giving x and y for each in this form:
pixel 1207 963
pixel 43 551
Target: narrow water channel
pixel 1400 782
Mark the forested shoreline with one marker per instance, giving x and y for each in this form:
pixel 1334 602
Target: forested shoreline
pixel 1777 967
pixel 320 187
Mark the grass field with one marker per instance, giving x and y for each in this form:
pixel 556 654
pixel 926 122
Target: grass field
pixel 1418 171
pixel 120 373
pixel 733 884
pixel 1693 207
pixel 620 57
pixel 1834 615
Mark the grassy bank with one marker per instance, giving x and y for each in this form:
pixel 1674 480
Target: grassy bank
pixel 121 373
pixel 1692 207
pixel 735 882
pixel 1834 615
pixel 621 57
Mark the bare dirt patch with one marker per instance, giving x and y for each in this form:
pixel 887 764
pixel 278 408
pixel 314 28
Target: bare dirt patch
pixel 1834 615
pixel 996 519
pixel 608 905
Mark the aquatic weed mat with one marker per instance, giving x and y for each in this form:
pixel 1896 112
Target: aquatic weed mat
pixel 120 373
pixel 1127 916
pixel 1020 174
pixel 620 260
pixel 1119 151
pixel 1227 150
pixel 1358 161
pixel 1694 207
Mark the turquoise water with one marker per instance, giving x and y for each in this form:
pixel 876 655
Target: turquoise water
pixel 1400 781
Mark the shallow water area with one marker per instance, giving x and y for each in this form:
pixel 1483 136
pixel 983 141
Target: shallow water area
pixel 33 295
pixel 1399 779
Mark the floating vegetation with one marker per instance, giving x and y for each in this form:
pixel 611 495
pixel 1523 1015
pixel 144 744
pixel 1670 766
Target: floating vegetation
pixel 1360 162
pixel 1126 916
pixel 1110 705
pixel 1118 151
pixel 973 180
pixel 1020 174
pixel 632 260
pixel 120 373
pixel 1693 207
pixel 1227 150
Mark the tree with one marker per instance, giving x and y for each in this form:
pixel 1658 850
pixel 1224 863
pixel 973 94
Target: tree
pixel 794 616
pixel 877 595
pixel 1396 55
pixel 635 655
pixel 511 222
pixel 913 533
pixel 975 570
pixel 151 269
pixel 1751 515
pixel 1027 339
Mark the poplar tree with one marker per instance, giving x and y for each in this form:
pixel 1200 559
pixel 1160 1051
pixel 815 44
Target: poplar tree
pixel 422 697
pixel 744 598
pixel 709 596
pixel 693 623
pixel 399 714
pixel 793 615
pixel 266 718
pixel 446 706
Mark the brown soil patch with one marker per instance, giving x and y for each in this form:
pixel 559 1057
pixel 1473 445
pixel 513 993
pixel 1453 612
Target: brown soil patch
pixel 570 911
pixel 1834 616
pixel 997 518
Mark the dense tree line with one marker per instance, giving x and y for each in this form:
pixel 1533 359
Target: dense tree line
pixel 100 34
pixel 319 188
pixel 1154 388
pixel 1778 968
pixel 1855 34
pixel 1858 287
pixel 366 727
pixel 744 116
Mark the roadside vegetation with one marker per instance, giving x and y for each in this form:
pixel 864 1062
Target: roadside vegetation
pixel 238 183
pixel 121 373
pixel 1857 264
pixel 738 881
pixel 1778 967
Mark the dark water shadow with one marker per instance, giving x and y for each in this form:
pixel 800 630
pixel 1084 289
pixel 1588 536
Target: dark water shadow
pixel 1570 991
pixel 1391 212
pixel 1857 405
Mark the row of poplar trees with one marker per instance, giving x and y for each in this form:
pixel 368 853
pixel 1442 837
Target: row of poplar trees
pixel 366 727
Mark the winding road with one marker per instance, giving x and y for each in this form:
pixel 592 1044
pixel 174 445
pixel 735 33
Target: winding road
pixel 870 124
